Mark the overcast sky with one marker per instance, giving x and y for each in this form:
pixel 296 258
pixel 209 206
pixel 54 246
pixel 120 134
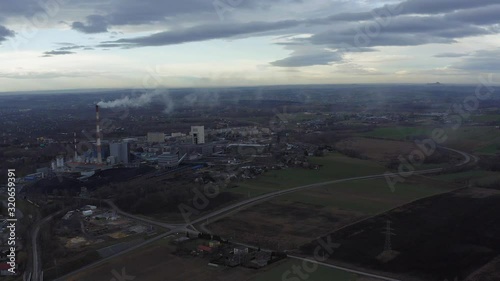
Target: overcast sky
pixel 69 44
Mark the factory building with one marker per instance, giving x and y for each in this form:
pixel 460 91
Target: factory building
pixel 204 150
pixel 168 160
pixel 121 152
pixel 60 162
pixel 156 137
pixel 198 134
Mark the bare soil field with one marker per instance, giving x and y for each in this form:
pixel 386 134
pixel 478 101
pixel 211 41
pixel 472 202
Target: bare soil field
pixel 280 225
pixel 156 263
pixel 311 213
pixel 377 149
pixel 436 238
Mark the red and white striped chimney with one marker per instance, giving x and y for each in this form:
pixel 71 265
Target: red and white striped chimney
pixel 74 143
pixel 98 135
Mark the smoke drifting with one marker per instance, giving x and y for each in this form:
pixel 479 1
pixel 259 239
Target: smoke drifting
pixel 193 98
pixel 136 102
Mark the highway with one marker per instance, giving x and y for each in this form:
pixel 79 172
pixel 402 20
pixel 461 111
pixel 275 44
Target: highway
pixel 174 228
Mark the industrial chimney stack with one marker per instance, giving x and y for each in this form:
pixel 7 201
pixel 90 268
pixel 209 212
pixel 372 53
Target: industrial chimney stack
pixel 74 143
pixel 98 135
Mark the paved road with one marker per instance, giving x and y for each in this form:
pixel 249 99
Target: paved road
pixel 267 196
pixel 34 242
pixel 142 219
pixel 344 269
pixel 224 211
pixel 467 157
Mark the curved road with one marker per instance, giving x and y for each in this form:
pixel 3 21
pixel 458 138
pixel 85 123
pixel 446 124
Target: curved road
pixel 142 219
pixel 36 270
pixel 186 227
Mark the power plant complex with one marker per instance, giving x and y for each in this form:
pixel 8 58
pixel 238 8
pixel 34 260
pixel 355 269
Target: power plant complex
pixel 164 151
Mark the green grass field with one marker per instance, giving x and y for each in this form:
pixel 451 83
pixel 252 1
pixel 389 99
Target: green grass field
pixel 480 177
pixel 465 137
pixel 486 118
pixel 322 273
pixel 397 133
pixel 335 166
pixel 367 197
pixel 490 149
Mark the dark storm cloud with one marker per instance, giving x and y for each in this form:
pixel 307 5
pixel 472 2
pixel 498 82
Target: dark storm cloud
pixel 370 29
pixel 349 17
pixel 202 33
pixel 441 6
pixel 136 12
pixel 57 53
pixel 425 7
pixel 94 24
pixel 73 47
pixel 4 33
pixel 19 8
pixel 403 31
pixel 481 61
pixel 406 30
pixel 66 49
pixel 300 60
pixel 133 12
pixel 351 44
pixel 110 45
pixel 480 16
pixel 410 23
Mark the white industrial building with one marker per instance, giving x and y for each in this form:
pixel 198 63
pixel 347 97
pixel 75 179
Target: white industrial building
pixel 198 134
pixel 121 151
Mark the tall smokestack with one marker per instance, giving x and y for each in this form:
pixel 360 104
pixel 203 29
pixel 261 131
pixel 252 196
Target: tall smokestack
pixel 74 143
pixel 98 135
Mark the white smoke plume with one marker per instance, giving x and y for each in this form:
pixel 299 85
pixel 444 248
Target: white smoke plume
pixel 199 97
pixel 134 102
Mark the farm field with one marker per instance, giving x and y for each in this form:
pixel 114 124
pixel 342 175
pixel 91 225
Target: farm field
pixel 450 242
pixel 334 166
pixel 474 176
pixel 377 149
pixel 397 133
pixel 486 118
pixel 490 148
pixel 468 138
pixel 309 213
pixel 156 263
pixel 322 273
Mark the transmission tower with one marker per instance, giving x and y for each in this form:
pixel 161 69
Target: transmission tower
pixel 388 235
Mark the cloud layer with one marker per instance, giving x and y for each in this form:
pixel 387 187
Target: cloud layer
pixel 312 39
pixel 4 33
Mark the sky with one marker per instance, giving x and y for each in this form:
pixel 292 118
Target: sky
pixel 74 44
